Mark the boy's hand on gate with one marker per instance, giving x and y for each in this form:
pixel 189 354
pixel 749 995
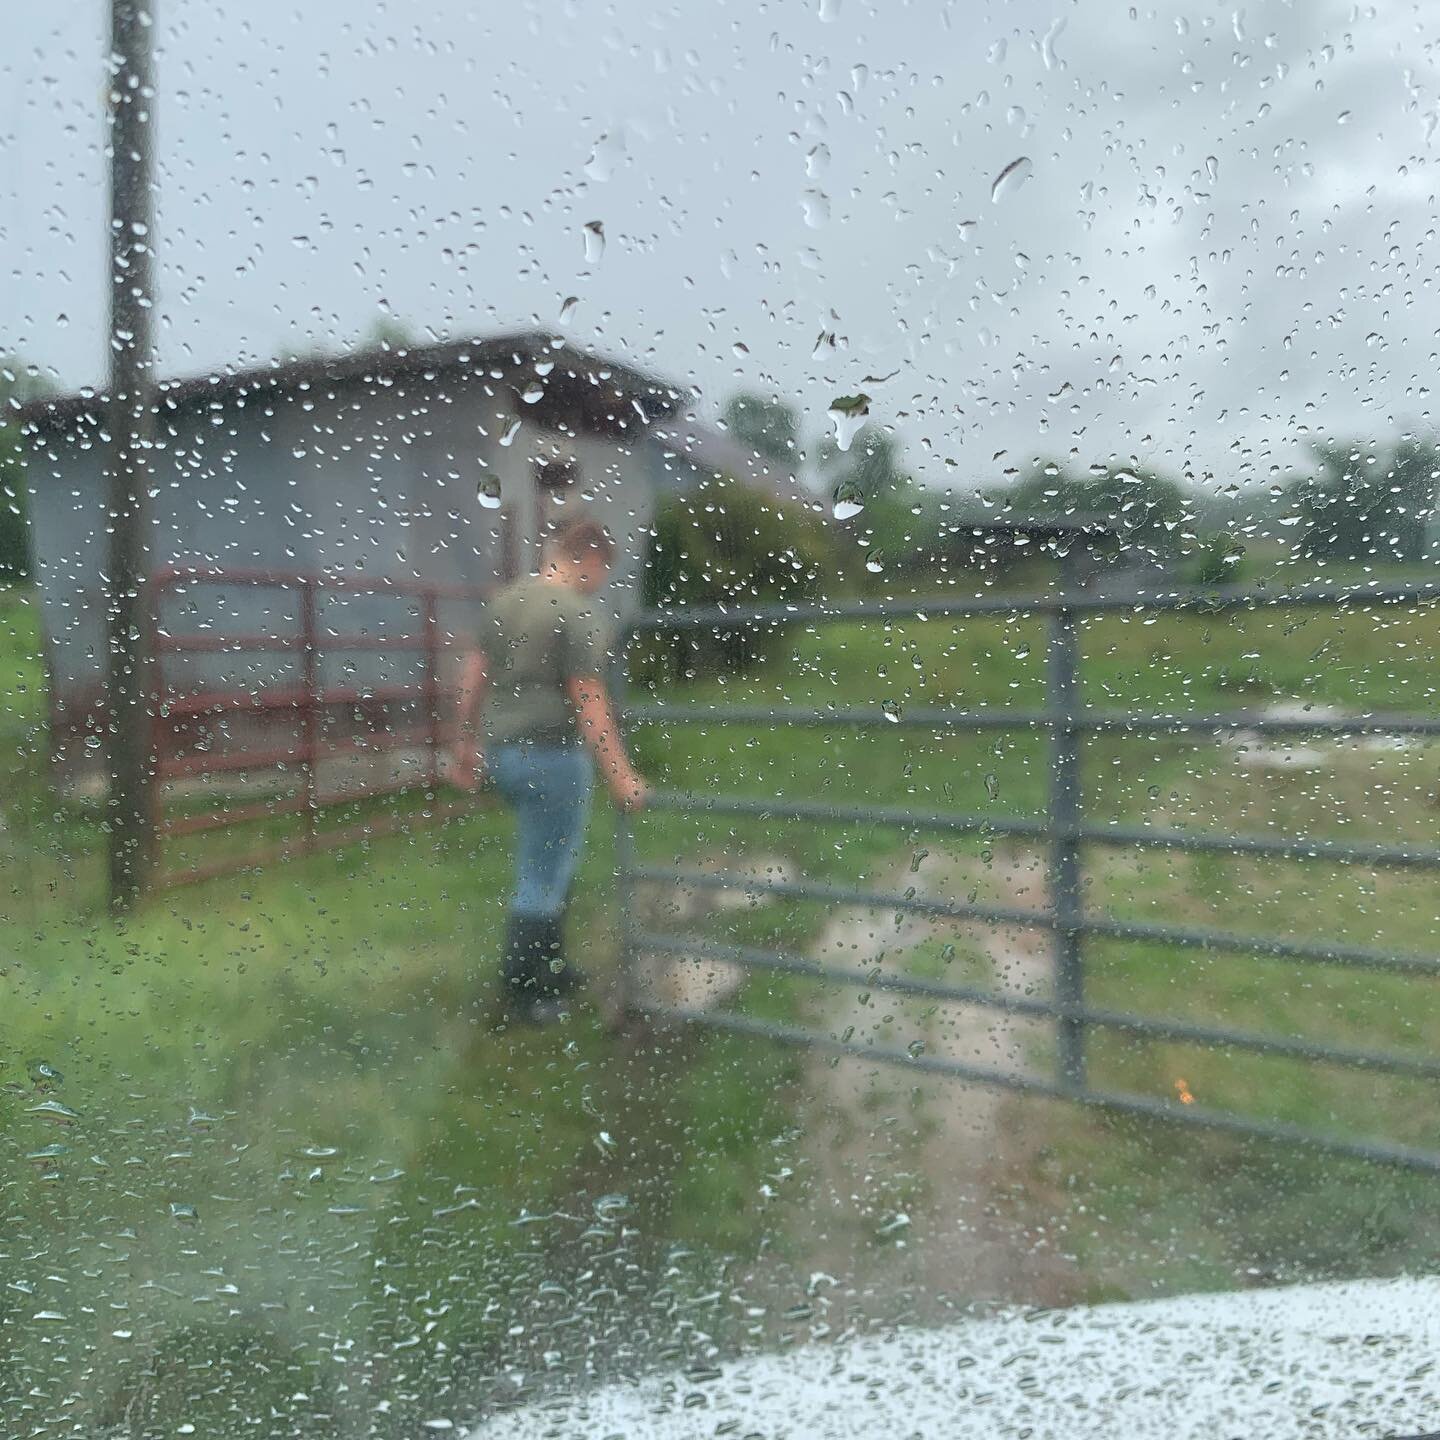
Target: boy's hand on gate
pixel 629 792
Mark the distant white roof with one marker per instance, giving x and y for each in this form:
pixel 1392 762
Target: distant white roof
pixel 1316 1361
pixel 711 451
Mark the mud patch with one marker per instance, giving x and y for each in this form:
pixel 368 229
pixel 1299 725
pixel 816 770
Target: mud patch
pixel 695 983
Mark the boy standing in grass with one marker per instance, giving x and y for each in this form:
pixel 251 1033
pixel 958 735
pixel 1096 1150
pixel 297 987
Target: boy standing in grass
pixel 538 667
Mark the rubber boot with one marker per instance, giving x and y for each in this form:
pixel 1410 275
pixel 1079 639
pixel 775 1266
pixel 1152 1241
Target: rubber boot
pixel 522 965
pixel 558 977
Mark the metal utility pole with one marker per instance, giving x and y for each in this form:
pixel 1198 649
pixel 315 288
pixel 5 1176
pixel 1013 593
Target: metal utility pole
pixel 131 115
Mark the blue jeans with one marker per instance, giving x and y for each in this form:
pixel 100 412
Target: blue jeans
pixel 548 788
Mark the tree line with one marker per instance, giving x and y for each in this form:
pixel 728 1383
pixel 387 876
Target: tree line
pixel 1367 501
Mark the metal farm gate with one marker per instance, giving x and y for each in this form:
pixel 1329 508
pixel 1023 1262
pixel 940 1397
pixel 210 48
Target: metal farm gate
pixel 283 698
pixel 1064 832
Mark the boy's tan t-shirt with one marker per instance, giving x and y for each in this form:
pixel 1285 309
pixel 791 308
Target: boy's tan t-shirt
pixel 535 637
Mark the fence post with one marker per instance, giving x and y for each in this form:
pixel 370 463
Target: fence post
pixel 624 836
pixel 1063 702
pixel 130 463
pixel 309 712
pixel 432 690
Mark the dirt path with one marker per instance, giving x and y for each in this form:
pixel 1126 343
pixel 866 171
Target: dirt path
pixel 898 1206
pixel 901 1166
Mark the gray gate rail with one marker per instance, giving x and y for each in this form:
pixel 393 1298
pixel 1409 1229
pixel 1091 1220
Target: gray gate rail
pixel 1064 831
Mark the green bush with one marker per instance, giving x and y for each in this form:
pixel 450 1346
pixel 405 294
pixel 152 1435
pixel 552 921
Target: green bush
pixel 14 532
pixel 726 544
pixel 1218 560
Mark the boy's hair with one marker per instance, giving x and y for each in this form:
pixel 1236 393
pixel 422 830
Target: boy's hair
pixel 581 538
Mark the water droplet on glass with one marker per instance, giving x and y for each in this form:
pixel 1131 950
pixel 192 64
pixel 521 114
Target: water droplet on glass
pixel 1343 118
pixel 829 10
pixel 53 1110
pixel 1011 178
pixel 567 309
pixel 488 493
pixel 507 436
pixel 183 1214
pixel 874 562
pixel 892 711
pixel 603 157
pixel 848 501
pixel 1212 168
pixel 847 413
pixel 992 787
pixel 611 1207
pixel 816 207
pixel 996 53
pixel 817 160
pixel 594 241
pixel 532 392
pixel 1047 45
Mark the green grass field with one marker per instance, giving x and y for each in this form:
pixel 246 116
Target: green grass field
pixel 297 1138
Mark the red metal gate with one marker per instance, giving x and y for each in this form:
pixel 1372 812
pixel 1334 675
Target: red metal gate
pixel 251 724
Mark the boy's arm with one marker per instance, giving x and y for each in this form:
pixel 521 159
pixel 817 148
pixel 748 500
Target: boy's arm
pixel 474 677
pixel 596 720
pixel 468 754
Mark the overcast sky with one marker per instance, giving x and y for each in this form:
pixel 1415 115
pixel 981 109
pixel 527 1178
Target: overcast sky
pixel 1226 241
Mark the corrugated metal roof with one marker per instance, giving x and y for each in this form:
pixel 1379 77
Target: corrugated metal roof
pixel 601 393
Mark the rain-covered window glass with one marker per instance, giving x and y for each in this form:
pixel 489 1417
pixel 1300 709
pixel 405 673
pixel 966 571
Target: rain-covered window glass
pixel 718 719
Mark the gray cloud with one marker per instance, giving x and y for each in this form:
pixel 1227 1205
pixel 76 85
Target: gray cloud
pixel 1223 243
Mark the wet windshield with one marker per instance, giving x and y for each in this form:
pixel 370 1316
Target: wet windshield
pixel 685 691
